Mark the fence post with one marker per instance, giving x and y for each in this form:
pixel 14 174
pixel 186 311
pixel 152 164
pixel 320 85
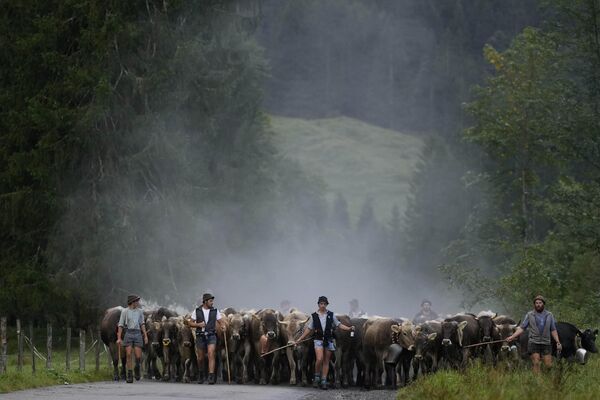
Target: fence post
pixel 4 344
pixel 81 350
pixel 32 346
pixel 98 343
pixel 68 351
pixel 49 346
pixel 19 346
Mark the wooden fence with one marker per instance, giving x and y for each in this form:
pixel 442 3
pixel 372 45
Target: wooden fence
pixel 47 357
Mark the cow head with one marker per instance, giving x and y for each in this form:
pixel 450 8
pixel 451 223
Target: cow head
pixel 169 332
pixel 403 335
pixel 588 340
pixel 487 328
pixel 504 331
pixel 184 334
pixel 154 331
pixel 424 342
pixel 452 333
pixel 237 330
pixel 269 324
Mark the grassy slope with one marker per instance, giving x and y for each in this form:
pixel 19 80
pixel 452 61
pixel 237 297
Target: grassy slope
pixel 563 382
pixel 353 157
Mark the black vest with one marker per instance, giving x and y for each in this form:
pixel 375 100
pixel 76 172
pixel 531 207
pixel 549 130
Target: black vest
pixel 210 328
pixel 326 335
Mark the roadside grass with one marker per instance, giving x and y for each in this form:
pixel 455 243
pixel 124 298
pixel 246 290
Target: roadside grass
pixel 354 158
pixel 563 381
pixel 14 380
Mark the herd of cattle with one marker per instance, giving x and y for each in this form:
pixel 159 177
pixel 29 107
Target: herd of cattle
pixel 380 347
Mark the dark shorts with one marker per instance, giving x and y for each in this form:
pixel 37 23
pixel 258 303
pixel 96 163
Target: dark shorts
pixel 133 337
pixel 203 341
pixel 541 349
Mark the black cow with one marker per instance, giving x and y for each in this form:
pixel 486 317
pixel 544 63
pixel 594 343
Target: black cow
pixel 570 336
pixel 428 347
pixel 458 332
pixel 488 332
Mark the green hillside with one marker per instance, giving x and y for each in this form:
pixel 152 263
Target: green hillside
pixel 353 157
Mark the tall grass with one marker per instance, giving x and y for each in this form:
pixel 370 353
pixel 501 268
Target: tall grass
pixel 563 381
pixel 13 380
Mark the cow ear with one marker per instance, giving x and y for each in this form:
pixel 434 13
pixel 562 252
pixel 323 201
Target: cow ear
pixel 396 328
pixel 255 317
pixel 462 325
pixel 432 336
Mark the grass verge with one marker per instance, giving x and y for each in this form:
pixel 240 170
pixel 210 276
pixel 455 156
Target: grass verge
pixel 563 381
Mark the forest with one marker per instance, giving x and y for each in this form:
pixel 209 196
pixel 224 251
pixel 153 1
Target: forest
pixel 137 151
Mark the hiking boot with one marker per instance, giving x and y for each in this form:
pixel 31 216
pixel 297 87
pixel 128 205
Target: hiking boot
pixel 316 382
pixel 136 372
pixel 200 378
pixel 129 376
pixel 212 379
pixel 324 385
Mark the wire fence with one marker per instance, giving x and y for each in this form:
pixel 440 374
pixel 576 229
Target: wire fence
pixel 24 343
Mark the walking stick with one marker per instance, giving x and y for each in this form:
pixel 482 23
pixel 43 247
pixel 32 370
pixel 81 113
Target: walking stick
pixel 227 355
pixel 484 343
pixel 285 347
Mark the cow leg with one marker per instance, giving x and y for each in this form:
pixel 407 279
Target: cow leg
pixel 245 363
pixel 289 352
pixel 275 369
pixel 115 360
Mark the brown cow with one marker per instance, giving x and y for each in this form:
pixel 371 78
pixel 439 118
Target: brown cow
pixel 376 342
pixel 170 348
pixel 298 356
pixel 238 345
pixel 154 349
pixel 266 322
pixel 187 353
pixel 403 334
pixel 108 334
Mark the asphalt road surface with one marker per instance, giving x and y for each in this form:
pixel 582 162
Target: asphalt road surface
pixel 149 390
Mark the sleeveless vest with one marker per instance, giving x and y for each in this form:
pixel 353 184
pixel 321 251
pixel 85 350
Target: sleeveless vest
pixel 210 327
pixel 326 335
pixel 535 336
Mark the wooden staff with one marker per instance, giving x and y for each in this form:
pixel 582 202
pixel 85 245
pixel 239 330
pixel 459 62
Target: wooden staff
pixel 484 343
pixel 227 354
pixel 286 346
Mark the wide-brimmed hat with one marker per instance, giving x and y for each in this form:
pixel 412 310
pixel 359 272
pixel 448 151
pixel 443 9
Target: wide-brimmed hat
pixel 322 299
pixel 132 298
pixel 207 296
pixel 539 297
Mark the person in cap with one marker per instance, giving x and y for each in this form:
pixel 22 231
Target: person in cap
pixel 542 326
pixel 426 313
pixel 132 319
pixel 322 323
pixel 355 311
pixel 206 319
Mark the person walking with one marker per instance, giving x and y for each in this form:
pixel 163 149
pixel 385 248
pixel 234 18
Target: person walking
pixel 132 319
pixel 206 319
pixel 542 327
pixel 323 323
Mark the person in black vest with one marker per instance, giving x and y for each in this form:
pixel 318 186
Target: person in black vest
pixel 322 323
pixel 206 321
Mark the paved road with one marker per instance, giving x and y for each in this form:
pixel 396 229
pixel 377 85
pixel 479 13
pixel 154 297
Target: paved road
pixel 177 391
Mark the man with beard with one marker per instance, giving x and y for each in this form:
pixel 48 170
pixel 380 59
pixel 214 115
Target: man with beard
pixel 541 326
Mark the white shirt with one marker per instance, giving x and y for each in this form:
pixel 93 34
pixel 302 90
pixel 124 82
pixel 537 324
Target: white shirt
pixel 206 312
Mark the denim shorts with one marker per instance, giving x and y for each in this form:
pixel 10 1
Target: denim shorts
pixel 541 349
pixel 330 345
pixel 203 341
pixel 133 337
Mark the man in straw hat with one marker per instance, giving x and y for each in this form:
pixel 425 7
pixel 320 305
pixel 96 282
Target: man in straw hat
pixel 541 326
pixel 132 319
pixel 206 319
